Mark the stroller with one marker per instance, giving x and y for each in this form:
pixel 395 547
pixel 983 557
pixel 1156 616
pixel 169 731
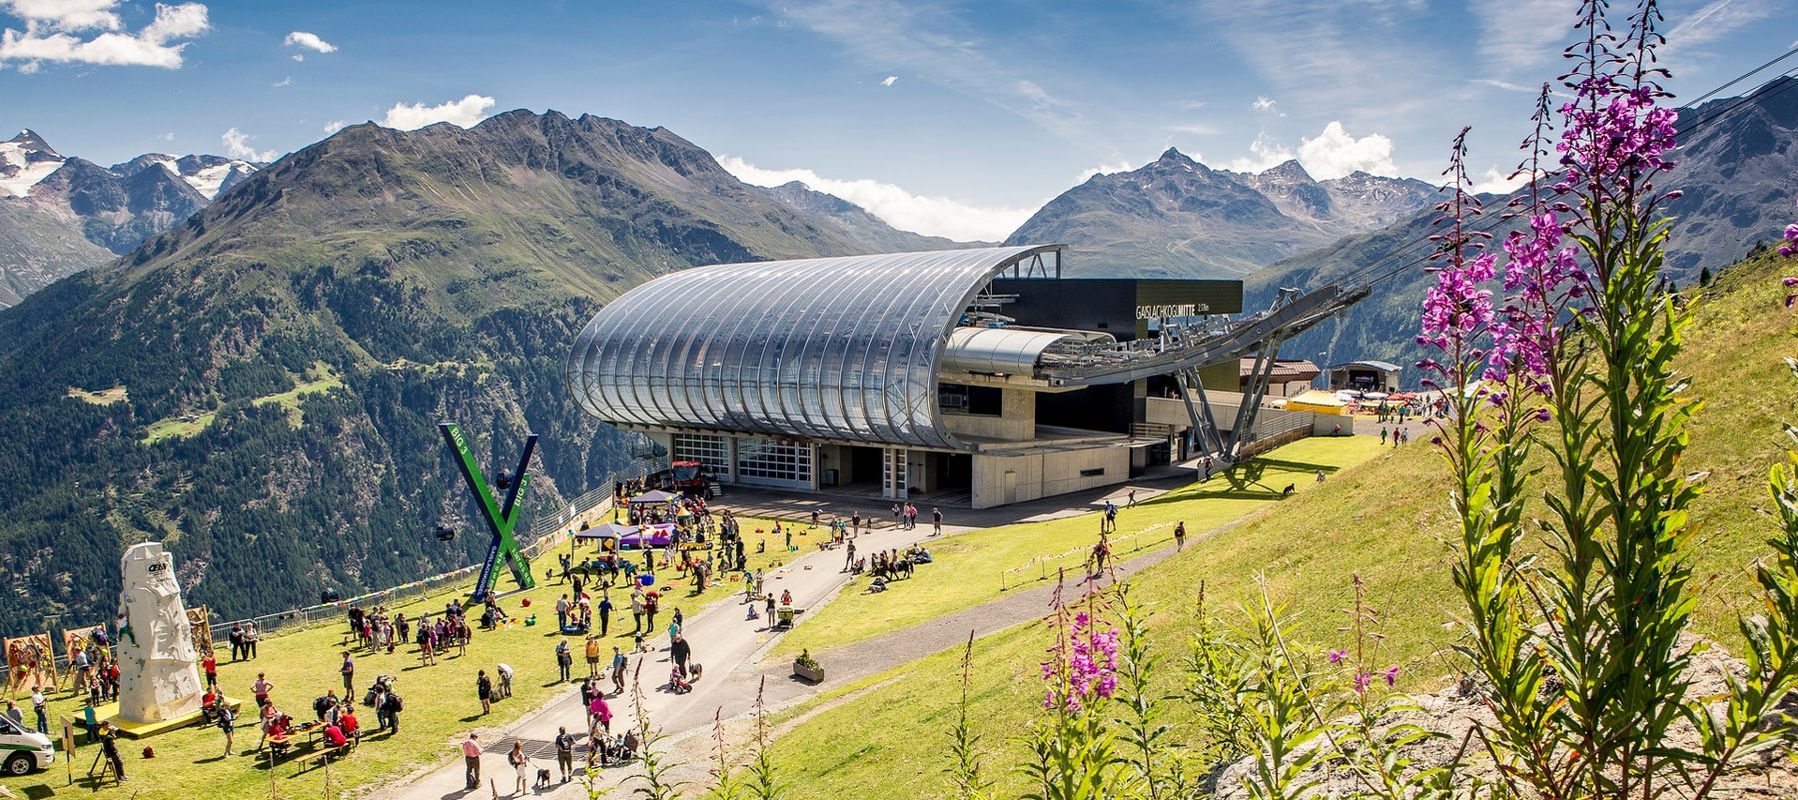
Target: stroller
pixel 381 682
pixel 615 750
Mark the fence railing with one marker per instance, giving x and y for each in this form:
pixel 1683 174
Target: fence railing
pixel 546 532
pixel 1139 539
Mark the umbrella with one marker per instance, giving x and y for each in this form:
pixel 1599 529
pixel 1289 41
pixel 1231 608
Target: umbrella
pixel 653 496
pixel 609 530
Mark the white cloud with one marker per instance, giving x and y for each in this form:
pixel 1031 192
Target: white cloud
pixel 1519 36
pixel 938 43
pixel 1110 169
pixel 309 41
pixel 464 113
pixel 934 216
pixel 1264 154
pixel 169 137
pixel 1716 20
pixel 334 126
pixel 237 145
pixel 51 28
pixel 287 81
pixel 1195 129
pixel 1334 153
pixel 1496 181
pixel 889 80
pixel 1264 104
pixel 299 57
pixel 67 15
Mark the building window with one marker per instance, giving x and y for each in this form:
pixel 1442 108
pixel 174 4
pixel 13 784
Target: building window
pixel 956 398
pixel 765 460
pixel 711 451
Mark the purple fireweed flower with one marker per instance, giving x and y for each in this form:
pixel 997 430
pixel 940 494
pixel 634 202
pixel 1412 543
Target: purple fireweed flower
pixel 1457 310
pixel 1336 656
pixel 1082 668
pixel 1391 675
pixel 1362 680
pixel 1611 128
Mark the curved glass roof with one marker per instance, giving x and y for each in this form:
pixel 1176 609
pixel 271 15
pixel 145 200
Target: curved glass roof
pixel 828 348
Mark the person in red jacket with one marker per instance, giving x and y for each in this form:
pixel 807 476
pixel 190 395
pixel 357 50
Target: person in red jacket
pixel 334 736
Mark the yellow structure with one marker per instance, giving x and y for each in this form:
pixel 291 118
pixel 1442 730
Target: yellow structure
pixel 1318 402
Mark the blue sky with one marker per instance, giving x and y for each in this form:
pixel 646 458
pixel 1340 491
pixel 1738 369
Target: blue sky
pixel 958 119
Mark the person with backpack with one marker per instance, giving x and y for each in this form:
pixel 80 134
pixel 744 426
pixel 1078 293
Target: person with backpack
pixel 393 706
pixel 564 659
pixel 483 688
pixel 227 720
pixel 565 753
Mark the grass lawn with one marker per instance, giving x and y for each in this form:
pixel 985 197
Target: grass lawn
pixel 1385 520
pixel 970 567
pixel 440 700
pixel 100 397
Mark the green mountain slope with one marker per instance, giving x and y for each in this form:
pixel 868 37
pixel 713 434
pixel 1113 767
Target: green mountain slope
pixel 436 274
pixel 1385 520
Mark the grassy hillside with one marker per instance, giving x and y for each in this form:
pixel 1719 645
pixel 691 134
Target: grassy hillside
pixel 973 568
pixel 1383 520
pixel 282 359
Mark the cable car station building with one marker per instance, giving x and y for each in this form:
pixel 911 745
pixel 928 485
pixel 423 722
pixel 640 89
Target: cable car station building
pixel 982 376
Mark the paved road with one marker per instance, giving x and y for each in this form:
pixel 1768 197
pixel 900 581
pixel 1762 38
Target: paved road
pixel 723 641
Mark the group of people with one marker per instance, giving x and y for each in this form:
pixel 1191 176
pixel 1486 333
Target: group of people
pixel 378 630
pixel 244 637
pixel 449 631
pixel 905 517
pixel 1397 434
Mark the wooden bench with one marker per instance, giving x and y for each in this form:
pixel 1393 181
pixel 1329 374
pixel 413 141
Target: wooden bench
pixel 320 755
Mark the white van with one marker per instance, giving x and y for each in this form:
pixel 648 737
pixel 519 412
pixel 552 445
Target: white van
pixel 23 750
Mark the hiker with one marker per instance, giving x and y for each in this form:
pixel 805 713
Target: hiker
pixel 564 659
pixel 618 665
pixel 1179 535
pixel 936 520
pixel 393 705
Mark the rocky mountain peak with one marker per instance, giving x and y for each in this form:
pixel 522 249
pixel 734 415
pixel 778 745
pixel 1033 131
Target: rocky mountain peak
pixel 30 142
pixel 1288 171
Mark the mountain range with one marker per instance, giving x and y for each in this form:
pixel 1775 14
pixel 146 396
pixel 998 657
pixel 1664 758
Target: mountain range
pixel 1735 168
pixel 60 214
pixel 1176 217
pixel 257 383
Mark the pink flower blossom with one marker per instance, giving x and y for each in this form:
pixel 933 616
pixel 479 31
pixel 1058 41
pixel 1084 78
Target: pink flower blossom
pixel 1336 656
pixel 1391 675
pixel 1361 682
pixel 1083 668
pixel 1612 128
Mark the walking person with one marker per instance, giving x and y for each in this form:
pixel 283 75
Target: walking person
pixel 521 765
pixel 471 762
pixel 483 688
pixel 565 753
pixel 936 521
pixel 618 665
pixel 227 722
pixel 564 659
pixel 636 610
pixel 680 651
pixel 1179 535
pixel 605 612
pixel 592 656
pixel 599 715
